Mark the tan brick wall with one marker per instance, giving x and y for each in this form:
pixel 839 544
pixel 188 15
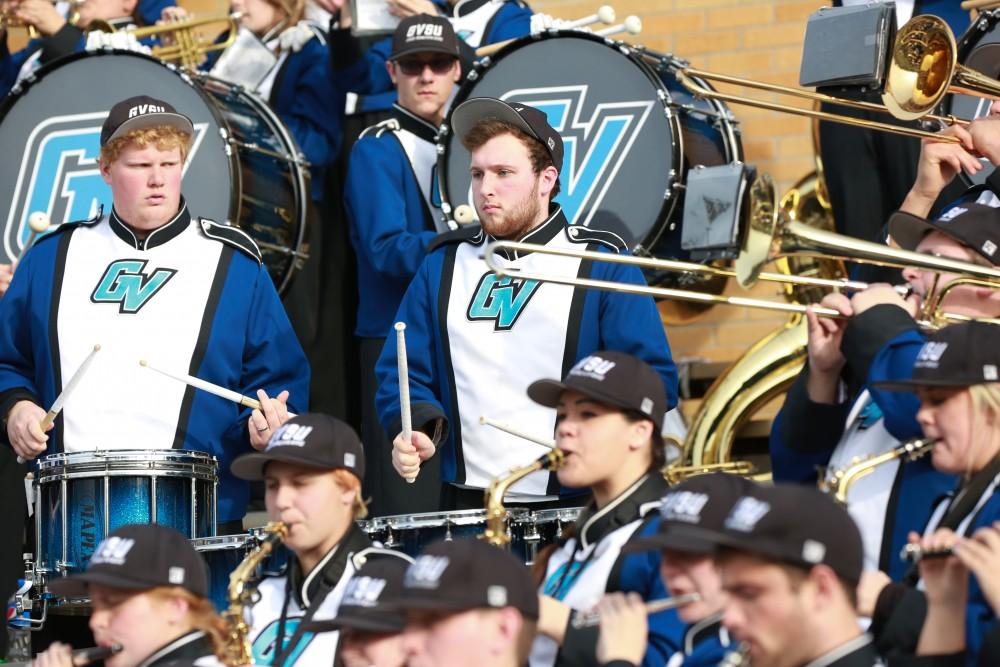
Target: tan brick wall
pixel 755 39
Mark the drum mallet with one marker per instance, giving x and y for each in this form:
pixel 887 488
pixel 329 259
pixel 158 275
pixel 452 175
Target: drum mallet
pixel 402 368
pixel 464 215
pixel 605 14
pixel 57 405
pixel 507 428
pixel 632 25
pixel 39 223
pixel 211 388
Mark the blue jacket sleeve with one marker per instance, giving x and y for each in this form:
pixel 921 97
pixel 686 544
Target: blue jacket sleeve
pixel 512 21
pixel 418 312
pixel 17 354
pixel 379 214
pixel 357 72
pixel 632 324
pixel 311 106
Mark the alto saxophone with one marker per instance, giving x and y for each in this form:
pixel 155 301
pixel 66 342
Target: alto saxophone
pixel 237 648
pixel 496 515
pixel 840 481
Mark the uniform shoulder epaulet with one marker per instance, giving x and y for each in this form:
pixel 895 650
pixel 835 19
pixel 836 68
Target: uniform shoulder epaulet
pixel 231 235
pixel 468 233
pixel 614 237
pixel 317 30
pixel 359 558
pixel 67 226
pixel 377 130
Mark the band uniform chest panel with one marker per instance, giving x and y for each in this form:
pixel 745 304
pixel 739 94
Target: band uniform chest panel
pixel 138 304
pixel 471 28
pixel 504 334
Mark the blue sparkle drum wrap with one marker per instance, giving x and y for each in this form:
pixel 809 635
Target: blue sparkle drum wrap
pixel 223 553
pixel 83 496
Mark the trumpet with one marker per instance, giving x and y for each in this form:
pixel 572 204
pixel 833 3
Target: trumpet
pixel 588 619
pixel 8 16
pixel 188 49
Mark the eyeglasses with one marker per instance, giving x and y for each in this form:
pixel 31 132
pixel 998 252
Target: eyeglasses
pixel 415 66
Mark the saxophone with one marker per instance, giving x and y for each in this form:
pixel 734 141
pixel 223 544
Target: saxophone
pixel 839 482
pixel 496 515
pixel 237 648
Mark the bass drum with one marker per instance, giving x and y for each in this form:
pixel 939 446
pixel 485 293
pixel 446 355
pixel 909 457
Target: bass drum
pixel 631 132
pixel 244 167
pixel 978 49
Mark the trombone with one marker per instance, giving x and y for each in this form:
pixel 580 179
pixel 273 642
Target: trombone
pixel 923 68
pixel 768 238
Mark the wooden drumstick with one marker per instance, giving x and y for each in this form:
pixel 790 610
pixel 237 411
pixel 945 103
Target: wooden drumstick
pixel 39 223
pixel 211 388
pixel 632 25
pixel 402 368
pixel 507 428
pixel 61 399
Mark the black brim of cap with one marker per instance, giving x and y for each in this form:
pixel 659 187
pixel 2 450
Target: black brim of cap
pixel 75 586
pixel 675 540
pixel 175 120
pixel 907 230
pixel 910 385
pixel 423 49
pixel 251 466
pixel 468 113
pixel 417 603
pixel 381 621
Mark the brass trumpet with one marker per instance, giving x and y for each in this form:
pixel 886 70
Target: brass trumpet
pixel 189 48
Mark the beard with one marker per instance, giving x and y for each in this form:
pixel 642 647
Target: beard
pixel 514 223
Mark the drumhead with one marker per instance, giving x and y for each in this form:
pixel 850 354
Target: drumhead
pixel 621 137
pixel 978 49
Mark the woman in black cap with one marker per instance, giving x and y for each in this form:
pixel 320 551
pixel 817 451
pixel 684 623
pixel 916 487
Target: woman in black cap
pixel 148 591
pixel 610 410
pixel 957 379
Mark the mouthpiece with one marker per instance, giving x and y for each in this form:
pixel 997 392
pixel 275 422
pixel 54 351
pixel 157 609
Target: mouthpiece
pixel 86 656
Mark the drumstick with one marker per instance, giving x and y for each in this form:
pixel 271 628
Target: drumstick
pixel 38 222
pixel 979 4
pixel 60 401
pixel 404 387
pixel 506 428
pixel 204 385
pixel 464 214
pixel 632 25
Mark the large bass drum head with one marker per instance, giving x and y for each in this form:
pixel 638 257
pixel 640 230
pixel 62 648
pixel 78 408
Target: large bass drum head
pixel 50 132
pixel 621 151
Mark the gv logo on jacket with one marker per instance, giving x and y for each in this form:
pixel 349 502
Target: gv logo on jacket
pixel 125 283
pixel 501 300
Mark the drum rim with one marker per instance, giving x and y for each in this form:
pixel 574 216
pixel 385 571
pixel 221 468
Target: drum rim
pixel 424 519
pixel 554 514
pixel 670 203
pixel 188 474
pixel 220 542
pixel 92 455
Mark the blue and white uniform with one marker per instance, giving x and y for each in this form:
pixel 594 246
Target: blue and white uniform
pixel 193 297
pixel 894 498
pixel 289 599
pixel 476 22
pixel 582 569
pixel 476 341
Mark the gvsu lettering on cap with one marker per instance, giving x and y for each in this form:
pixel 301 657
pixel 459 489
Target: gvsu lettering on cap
pixel 593 367
pixel 426 571
pixel 683 506
pixel 113 550
pixel 746 514
pixel 425 31
pixel 144 109
pixel 290 435
pixel 364 591
pixel 930 354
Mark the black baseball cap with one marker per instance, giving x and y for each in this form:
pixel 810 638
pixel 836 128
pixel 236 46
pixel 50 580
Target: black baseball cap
pixel 959 355
pixel 457 575
pixel 974 225
pixel 424 33
pixel 793 524
pixel 363 606
pixel 141 112
pixel 691 511
pixel 529 119
pixel 314 440
pixel 139 557
pixel 613 378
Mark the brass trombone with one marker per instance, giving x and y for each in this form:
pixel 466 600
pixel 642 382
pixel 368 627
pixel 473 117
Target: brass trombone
pixel 768 238
pixel 188 48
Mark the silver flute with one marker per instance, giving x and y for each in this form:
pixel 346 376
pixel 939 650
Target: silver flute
pixel 914 553
pixel 590 618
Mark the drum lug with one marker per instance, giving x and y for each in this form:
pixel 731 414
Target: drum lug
pixel 390 540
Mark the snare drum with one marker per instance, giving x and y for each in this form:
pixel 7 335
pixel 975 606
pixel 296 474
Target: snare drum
pixel 244 168
pixel 224 553
pixel 410 533
pixel 541 528
pixel 631 132
pixel 83 496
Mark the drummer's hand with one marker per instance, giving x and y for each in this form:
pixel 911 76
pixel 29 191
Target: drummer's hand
pixel 24 430
pixel 623 628
pixel 6 275
pixel 405 8
pixel 985 133
pixel 42 14
pixel 939 163
pixel 56 655
pixel 883 293
pixel 407 456
pixel 264 422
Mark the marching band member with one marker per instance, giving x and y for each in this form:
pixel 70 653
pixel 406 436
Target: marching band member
pixel 467 603
pixel 149 280
pixel 394 213
pixel 817 425
pixel 312 470
pixel 956 378
pixel 148 591
pixel 609 412
pixel 454 305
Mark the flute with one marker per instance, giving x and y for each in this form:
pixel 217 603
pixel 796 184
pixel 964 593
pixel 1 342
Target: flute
pixel 86 656
pixel 914 553
pixel 586 619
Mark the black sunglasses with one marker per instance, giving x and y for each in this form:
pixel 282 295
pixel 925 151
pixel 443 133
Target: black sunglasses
pixel 415 66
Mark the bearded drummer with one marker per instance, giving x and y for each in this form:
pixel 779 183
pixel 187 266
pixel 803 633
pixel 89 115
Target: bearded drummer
pixel 149 280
